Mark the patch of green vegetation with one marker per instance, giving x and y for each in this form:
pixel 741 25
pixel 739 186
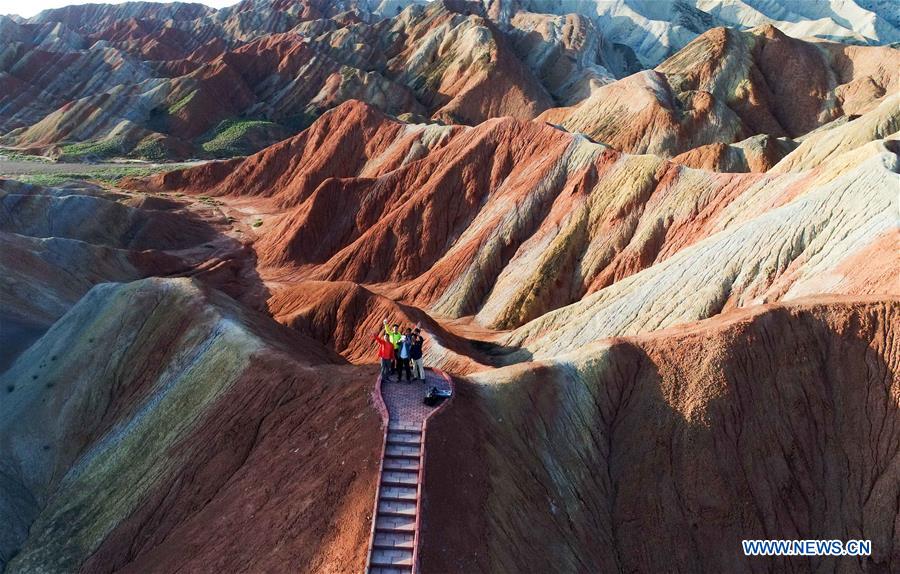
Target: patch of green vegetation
pixel 46 179
pixel 180 104
pixel 235 137
pixel 100 149
pixel 209 201
pixel 107 175
pixel 151 149
pixel 347 73
pixel 256 223
pixel 14 155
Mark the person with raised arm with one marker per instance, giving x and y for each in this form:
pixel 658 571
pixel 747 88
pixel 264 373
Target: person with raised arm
pixel 394 335
pixel 385 353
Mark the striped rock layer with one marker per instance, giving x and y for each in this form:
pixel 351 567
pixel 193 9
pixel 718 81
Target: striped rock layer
pixel 522 226
pixel 148 423
pixel 728 85
pixel 221 83
pixel 187 81
pixel 775 421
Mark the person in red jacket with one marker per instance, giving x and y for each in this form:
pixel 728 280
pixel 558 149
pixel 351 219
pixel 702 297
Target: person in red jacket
pixel 385 353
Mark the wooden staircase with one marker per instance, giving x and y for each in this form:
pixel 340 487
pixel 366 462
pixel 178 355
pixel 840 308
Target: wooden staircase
pixel 394 540
pixel 399 495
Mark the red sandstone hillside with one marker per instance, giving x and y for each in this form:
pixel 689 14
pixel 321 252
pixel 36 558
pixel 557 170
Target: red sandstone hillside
pixel 769 236
pixel 727 86
pixel 177 425
pixel 777 422
pixel 125 385
pixel 510 220
pixel 164 89
pixel 297 408
pixel 186 82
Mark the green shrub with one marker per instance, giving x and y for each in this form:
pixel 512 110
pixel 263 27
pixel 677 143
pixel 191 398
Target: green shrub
pixel 110 175
pixel 180 104
pixel 235 137
pixel 151 149
pixel 99 148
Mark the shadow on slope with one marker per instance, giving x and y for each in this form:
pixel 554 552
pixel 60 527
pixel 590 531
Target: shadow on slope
pixel 159 421
pixel 663 452
pixel 57 243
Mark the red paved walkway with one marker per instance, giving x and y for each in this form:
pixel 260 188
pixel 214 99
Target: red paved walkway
pixel 404 400
pixel 396 529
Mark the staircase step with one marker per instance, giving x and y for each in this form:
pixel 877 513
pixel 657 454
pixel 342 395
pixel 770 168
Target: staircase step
pixel 399 493
pixel 395 524
pixel 403 540
pixel 393 544
pixel 401 426
pixel 415 432
pixel 396 508
pixel 404 438
pixel 393 557
pixel 401 463
pixel 402 451
pixel 400 478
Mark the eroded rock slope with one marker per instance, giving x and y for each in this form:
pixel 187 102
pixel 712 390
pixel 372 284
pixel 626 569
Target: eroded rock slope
pixel 663 452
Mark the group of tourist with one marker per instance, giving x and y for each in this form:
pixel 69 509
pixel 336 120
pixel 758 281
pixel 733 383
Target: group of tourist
pixel 400 352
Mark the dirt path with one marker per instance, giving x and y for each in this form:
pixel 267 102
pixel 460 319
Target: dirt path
pixel 396 525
